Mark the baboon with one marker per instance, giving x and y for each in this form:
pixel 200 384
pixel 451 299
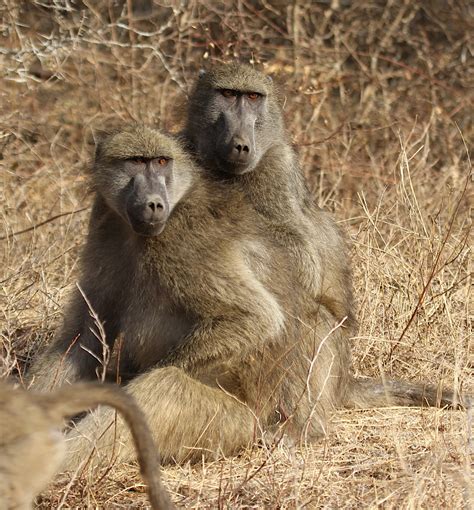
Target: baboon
pixel 32 446
pixel 235 129
pixel 224 342
pixel 204 294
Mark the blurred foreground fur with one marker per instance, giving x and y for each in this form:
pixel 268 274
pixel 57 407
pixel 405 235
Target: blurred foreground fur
pixel 32 447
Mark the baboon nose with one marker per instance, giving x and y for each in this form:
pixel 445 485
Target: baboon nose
pixel 156 208
pixel 155 205
pixel 242 148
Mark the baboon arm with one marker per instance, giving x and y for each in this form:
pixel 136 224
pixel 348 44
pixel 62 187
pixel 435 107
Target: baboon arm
pixel 188 420
pixel 77 351
pixel 236 314
pixel 223 339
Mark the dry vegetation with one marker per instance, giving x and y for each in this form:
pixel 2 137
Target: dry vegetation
pixel 379 104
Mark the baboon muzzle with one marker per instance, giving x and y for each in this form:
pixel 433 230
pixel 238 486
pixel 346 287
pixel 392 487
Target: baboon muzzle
pixel 148 206
pixel 236 143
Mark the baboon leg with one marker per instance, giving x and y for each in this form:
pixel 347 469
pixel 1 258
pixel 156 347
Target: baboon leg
pixel 296 388
pixel 188 420
pixel 318 378
pixel 53 369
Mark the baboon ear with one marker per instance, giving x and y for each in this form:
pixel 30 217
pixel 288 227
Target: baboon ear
pixel 96 139
pixel 202 73
pixel 98 135
pixel 104 130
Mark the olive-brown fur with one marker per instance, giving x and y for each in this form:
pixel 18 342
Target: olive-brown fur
pixel 212 300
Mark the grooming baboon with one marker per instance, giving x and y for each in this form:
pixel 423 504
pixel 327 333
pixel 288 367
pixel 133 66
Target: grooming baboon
pixel 235 129
pixel 212 297
pixel 32 446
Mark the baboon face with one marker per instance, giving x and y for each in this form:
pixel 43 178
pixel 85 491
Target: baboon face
pixel 145 195
pixel 231 117
pixel 135 171
pixel 236 113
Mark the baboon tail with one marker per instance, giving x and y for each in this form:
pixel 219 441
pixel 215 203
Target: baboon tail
pixel 369 393
pixel 68 401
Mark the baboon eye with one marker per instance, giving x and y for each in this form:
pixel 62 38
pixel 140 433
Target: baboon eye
pixel 253 95
pixel 161 161
pixel 138 160
pixel 228 93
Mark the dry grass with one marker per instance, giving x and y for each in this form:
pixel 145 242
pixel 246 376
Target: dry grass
pixel 379 103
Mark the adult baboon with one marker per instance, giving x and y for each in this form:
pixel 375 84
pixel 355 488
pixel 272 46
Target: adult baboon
pixel 209 294
pixel 32 446
pixel 235 129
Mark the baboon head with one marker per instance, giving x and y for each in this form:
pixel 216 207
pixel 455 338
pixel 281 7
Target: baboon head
pixel 233 117
pixel 141 174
